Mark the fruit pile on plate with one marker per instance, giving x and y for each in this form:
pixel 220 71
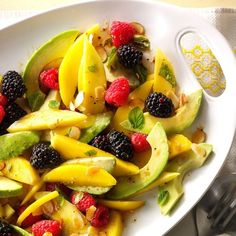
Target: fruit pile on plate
pixel 92 122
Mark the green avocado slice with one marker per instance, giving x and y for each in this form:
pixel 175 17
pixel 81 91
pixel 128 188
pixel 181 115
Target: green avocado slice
pixel 128 185
pixel 52 50
pixel 13 145
pixel 183 118
pixel 182 164
pixel 9 188
pixel 101 123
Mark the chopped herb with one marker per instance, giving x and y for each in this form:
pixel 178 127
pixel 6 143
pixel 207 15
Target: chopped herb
pixel 141 41
pixel 163 197
pixel 92 68
pixel 168 74
pixel 141 72
pixel 136 118
pixel 53 104
pixel 112 59
pixel 90 153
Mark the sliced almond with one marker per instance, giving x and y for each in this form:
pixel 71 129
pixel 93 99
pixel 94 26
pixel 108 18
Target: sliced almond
pixel 74 132
pixel 199 136
pixel 175 100
pixel 102 53
pixel 90 212
pixel 183 99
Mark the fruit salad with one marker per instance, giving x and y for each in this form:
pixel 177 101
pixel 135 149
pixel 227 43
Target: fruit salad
pixel 95 119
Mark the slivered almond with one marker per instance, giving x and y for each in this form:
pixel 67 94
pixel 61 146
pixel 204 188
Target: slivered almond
pixel 183 99
pixel 90 212
pixel 48 208
pixel 175 100
pixel 199 136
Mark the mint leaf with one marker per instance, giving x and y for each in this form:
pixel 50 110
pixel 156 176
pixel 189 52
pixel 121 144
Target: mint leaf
pixel 163 197
pixel 136 118
pixel 92 68
pixel 53 104
pixel 90 153
pixel 141 72
pixel 112 59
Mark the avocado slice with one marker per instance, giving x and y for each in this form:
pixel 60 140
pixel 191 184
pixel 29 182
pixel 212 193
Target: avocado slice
pixel 182 164
pixel 13 145
pixel 183 118
pixel 107 163
pixel 101 123
pixel 90 189
pixel 53 49
pixel 9 188
pixel 21 231
pixel 128 185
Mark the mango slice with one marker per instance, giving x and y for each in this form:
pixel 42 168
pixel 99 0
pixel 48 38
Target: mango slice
pixel 122 205
pixel 76 149
pixel 20 169
pixel 178 144
pixel 47 119
pixel 164 78
pixel 81 175
pixel 115 225
pixel 35 205
pixel 93 81
pixel 68 71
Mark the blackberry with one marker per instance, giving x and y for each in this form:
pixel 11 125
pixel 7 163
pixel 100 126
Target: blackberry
pixel 157 104
pixel 129 56
pixel 101 142
pixel 13 113
pixel 43 156
pixel 6 229
pixel 120 145
pixel 13 86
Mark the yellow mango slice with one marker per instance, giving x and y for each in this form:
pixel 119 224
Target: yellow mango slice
pixel 178 144
pixel 115 225
pixel 31 192
pixel 20 169
pixel 136 98
pixel 164 78
pixel 165 177
pixel 80 175
pixel 35 205
pixel 93 80
pixel 53 95
pixel 47 119
pixel 122 205
pixel 68 71
pixel 75 149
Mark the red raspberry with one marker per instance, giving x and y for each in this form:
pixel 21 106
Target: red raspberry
pixel 50 226
pixel 118 92
pixel 82 200
pixel 3 100
pixel 2 113
pixel 121 33
pixel 29 220
pixel 139 142
pixel 49 79
pixel 101 216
